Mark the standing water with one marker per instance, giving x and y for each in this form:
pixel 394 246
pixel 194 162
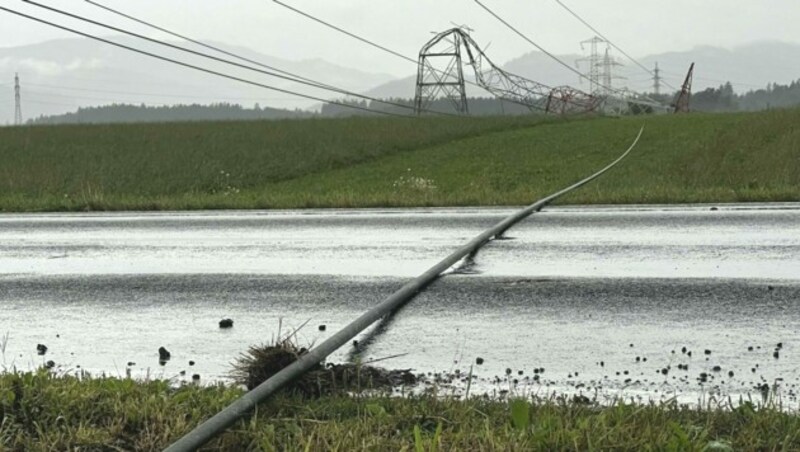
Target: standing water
pixel 646 302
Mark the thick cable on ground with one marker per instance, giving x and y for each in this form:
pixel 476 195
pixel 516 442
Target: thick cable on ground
pixel 244 405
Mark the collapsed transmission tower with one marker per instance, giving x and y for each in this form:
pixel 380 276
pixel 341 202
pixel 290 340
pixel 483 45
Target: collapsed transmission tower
pixel 17 102
pixel 455 47
pixel 447 81
pixel 685 96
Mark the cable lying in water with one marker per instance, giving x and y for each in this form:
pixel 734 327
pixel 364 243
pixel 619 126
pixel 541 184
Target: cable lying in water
pixel 244 405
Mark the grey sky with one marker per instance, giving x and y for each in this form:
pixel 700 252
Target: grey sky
pixel 639 26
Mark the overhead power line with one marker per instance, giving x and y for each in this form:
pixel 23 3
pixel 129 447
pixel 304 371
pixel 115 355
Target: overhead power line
pixel 362 39
pixel 198 68
pixel 341 30
pixel 622 93
pixel 132 93
pixel 203 44
pixel 635 61
pixel 218 59
pixel 542 49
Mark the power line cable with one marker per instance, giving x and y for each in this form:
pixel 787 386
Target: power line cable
pixel 574 14
pixel 365 40
pixel 198 68
pixel 130 93
pixel 341 30
pixel 221 60
pixel 619 92
pixel 202 44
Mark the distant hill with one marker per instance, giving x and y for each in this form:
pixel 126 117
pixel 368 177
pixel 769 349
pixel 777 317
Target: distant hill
pixel 61 75
pixel 120 113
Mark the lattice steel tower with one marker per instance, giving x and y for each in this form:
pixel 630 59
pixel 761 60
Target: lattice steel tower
pixel 657 80
pixel 17 102
pixel 440 72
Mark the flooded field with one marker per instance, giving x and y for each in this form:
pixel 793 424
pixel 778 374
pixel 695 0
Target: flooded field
pixel 642 301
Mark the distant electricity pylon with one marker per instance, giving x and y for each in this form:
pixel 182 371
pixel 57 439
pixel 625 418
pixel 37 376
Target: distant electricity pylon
pixel 657 80
pixel 685 96
pixel 17 102
pixel 594 62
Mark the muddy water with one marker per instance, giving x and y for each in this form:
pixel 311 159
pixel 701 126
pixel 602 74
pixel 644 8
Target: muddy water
pixel 579 292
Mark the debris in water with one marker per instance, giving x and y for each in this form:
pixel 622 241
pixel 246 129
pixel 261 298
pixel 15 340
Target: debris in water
pixel 50 364
pixel 41 349
pixel 479 361
pixel 226 323
pixel 163 355
pixel 323 327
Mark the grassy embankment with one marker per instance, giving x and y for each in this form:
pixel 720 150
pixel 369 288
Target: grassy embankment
pixel 374 162
pixel 42 412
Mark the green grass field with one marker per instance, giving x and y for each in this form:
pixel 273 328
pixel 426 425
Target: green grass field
pixel 385 162
pixel 43 412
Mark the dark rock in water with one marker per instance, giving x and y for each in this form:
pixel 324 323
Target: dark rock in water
pixel 683 350
pixel 191 363
pixel 163 355
pixel 323 327
pixel 131 363
pixel 664 371
pixel 714 209
pixel 508 371
pixel 750 348
pixel 50 364
pixel 355 344
pixel 716 368
pixel 479 361
pixel 41 349
pixel 707 352
pixel 196 377
pixel 226 323
pixel 779 346
pixel 730 374
pixel 776 355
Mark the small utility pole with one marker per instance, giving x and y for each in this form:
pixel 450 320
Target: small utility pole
pixel 17 102
pixel 657 81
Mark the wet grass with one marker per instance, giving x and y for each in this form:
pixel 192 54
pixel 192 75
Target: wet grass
pixel 369 162
pixel 40 411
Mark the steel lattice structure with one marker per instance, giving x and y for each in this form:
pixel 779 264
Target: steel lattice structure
pixel 448 81
pixel 685 96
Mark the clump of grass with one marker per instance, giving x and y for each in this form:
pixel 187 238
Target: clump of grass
pixel 262 362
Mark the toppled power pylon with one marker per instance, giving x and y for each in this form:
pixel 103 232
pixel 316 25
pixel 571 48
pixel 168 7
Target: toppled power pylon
pixel 685 96
pixel 440 74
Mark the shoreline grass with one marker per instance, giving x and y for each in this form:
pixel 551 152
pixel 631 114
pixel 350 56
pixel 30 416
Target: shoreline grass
pixel 384 162
pixel 41 411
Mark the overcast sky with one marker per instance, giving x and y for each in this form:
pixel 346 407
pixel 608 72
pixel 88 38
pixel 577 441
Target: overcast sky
pixel 639 26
